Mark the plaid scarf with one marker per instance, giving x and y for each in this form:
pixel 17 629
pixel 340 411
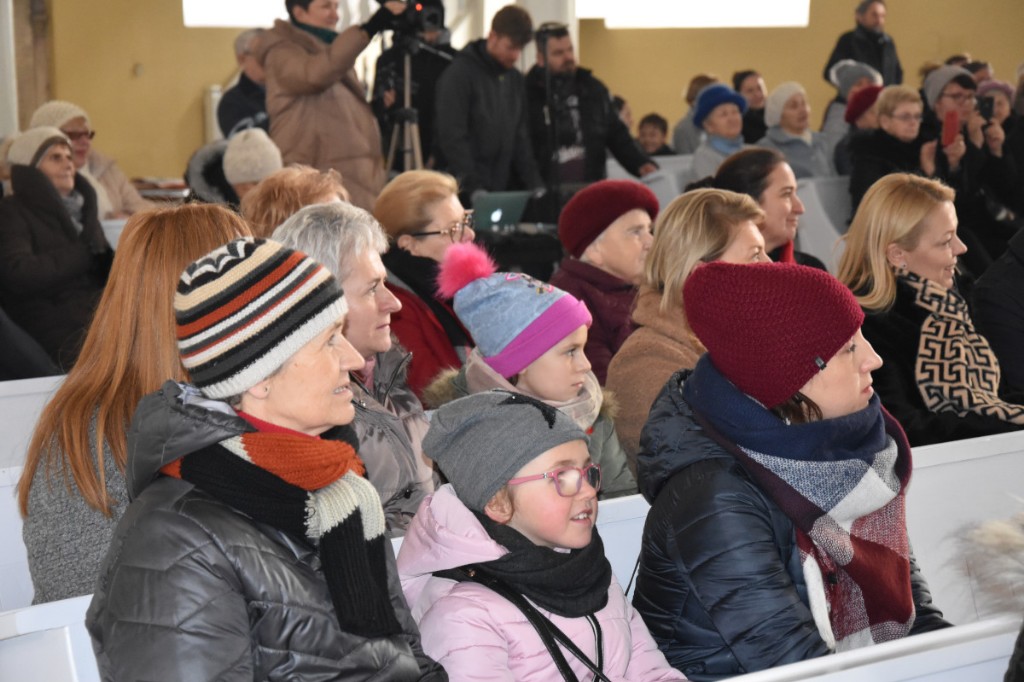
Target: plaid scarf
pixel 312 489
pixel 842 482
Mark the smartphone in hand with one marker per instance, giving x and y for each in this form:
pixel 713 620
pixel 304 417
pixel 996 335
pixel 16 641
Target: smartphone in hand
pixel 950 127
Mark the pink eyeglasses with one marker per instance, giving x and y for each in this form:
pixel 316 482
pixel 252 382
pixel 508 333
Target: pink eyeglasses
pixel 568 480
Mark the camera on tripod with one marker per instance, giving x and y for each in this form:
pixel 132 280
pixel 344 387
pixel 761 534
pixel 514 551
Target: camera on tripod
pixel 419 17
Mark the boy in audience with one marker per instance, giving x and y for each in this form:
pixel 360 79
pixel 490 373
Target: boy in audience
pixel 653 133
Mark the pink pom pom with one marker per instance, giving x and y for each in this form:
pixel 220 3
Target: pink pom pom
pixel 463 263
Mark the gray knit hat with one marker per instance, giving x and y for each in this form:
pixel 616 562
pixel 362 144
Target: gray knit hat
pixel 251 156
pixel 29 147
pixel 845 73
pixel 56 113
pixel 482 440
pixel 938 79
pixel 776 101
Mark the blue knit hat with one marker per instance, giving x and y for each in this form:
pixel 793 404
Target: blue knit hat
pixel 713 96
pixel 513 317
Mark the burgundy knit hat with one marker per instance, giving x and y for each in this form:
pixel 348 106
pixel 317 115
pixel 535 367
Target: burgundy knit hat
pixel 597 206
pixel 861 102
pixel 769 327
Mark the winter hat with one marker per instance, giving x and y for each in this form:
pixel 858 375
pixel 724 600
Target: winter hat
pixel 245 308
pixel 713 96
pixel 56 113
pixel 482 440
pixel 595 207
pixel 769 327
pixel 28 148
pixel 938 79
pixel 845 73
pixel 987 87
pixel 513 317
pixel 251 156
pixel 862 101
pixel 776 101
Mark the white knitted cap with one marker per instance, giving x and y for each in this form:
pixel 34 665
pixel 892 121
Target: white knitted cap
pixel 56 113
pixel 251 156
pixel 776 101
pixel 28 147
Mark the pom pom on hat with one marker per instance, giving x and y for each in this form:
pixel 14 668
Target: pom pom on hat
pixel 776 101
pixel 27 148
pixel 251 156
pixel 861 102
pixel 56 113
pixel 463 263
pixel 591 210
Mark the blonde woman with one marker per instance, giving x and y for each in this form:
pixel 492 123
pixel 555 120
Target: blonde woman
pixel 940 378
pixel 698 227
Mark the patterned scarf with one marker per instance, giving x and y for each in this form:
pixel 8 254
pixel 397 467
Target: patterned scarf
pixel 313 489
pixel 842 482
pixel 956 370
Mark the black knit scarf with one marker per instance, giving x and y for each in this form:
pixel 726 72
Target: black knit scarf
pixel 420 274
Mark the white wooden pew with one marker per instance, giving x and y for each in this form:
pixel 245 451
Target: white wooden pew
pixel 47 643
pixel 112 229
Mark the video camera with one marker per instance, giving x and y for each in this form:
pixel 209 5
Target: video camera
pixel 420 16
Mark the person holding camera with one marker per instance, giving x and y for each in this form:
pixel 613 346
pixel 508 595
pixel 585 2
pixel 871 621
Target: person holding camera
pixel 317 107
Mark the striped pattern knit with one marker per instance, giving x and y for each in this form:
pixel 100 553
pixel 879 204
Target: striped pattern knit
pixel 245 308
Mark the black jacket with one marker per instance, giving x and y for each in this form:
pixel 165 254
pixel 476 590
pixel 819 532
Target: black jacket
pixel 481 124
pixel 876 154
pixel 598 124
pixel 720 584
pixel 51 276
pixel 874 49
pixel 243 106
pixel 998 313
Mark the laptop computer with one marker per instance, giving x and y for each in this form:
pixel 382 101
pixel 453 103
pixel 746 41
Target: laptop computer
pixel 499 211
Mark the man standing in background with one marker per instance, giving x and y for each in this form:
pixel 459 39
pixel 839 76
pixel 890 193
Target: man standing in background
pixel 869 43
pixel 244 105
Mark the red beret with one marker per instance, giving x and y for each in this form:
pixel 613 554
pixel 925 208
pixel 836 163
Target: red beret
pixel 862 101
pixel 597 206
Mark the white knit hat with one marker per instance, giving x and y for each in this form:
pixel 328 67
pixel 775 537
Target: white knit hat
pixel 28 147
pixel 56 113
pixel 776 101
pixel 251 156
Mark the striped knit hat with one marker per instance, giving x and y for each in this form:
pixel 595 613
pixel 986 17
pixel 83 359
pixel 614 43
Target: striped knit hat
pixel 245 308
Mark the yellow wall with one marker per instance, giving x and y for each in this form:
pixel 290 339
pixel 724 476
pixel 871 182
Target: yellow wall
pixel 140 74
pixel 651 68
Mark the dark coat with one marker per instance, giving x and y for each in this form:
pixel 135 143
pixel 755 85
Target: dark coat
pixel 754 127
pixel 51 276
pixel 598 124
pixel 481 131
pixel 876 154
pixel 720 583
pixel 998 313
pixel 23 357
pixel 193 589
pixel 895 336
pixel 610 301
pixel 875 49
pixel 243 106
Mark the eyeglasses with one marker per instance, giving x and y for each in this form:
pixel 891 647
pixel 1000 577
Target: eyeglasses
pixel 455 231
pixel 959 97
pixel 568 480
pixel 80 135
pixel 908 118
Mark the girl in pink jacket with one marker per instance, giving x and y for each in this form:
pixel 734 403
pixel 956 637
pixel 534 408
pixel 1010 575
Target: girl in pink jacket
pixel 503 567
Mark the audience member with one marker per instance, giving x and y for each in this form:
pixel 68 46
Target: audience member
pixel 849 78
pixel 869 43
pixel 623 111
pixel 318 111
pixel 1001 95
pixel 861 118
pixel 54 257
pixel 893 147
pixel 959 59
pixel 998 313
pixel 653 132
pixel 244 104
pixel 788 116
pixel 482 135
pixel 571 119
pixel 204 175
pixel 940 378
pixel 698 227
pixel 530 339
pixel 980 71
pixel 116 197
pixel 751 85
pixel 606 232
pixel 685 135
pixel 428 59
pixel 72 489
pixel 283 193
pixel 777 531
pixel 421 213
pixel 390 422
pixel 719 113
pixel 250 157
pixel 242 516
pixel 504 568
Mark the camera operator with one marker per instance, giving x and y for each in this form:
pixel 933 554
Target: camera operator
pixel 431 54
pixel 318 111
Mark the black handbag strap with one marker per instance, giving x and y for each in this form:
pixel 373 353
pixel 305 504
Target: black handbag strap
pixel 549 632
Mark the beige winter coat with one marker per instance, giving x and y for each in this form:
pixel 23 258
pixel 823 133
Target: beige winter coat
pixel 317 107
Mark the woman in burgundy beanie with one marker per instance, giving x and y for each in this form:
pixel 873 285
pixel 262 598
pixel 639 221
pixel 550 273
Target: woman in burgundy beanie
pixel 606 232
pixel 777 530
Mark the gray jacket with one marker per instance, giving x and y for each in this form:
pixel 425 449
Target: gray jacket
pixel 192 589
pixel 806 160
pixel 390 424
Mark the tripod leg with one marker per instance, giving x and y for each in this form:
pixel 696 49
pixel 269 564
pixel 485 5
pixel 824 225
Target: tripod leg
pixel 392 148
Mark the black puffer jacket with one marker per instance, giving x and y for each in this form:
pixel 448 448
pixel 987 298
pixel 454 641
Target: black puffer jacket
pixel 720 584
pixel 193 589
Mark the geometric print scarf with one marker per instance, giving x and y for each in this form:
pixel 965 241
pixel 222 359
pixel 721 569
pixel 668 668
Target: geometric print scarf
pixel 843 483
pixel 314 489
pixel 956 370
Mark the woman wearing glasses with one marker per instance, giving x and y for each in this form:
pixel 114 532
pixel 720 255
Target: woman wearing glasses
pixel 421 213
pixel 116 196
pixel 503 568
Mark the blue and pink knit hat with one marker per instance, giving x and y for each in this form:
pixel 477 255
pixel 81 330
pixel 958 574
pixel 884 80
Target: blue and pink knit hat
pixel 513 317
